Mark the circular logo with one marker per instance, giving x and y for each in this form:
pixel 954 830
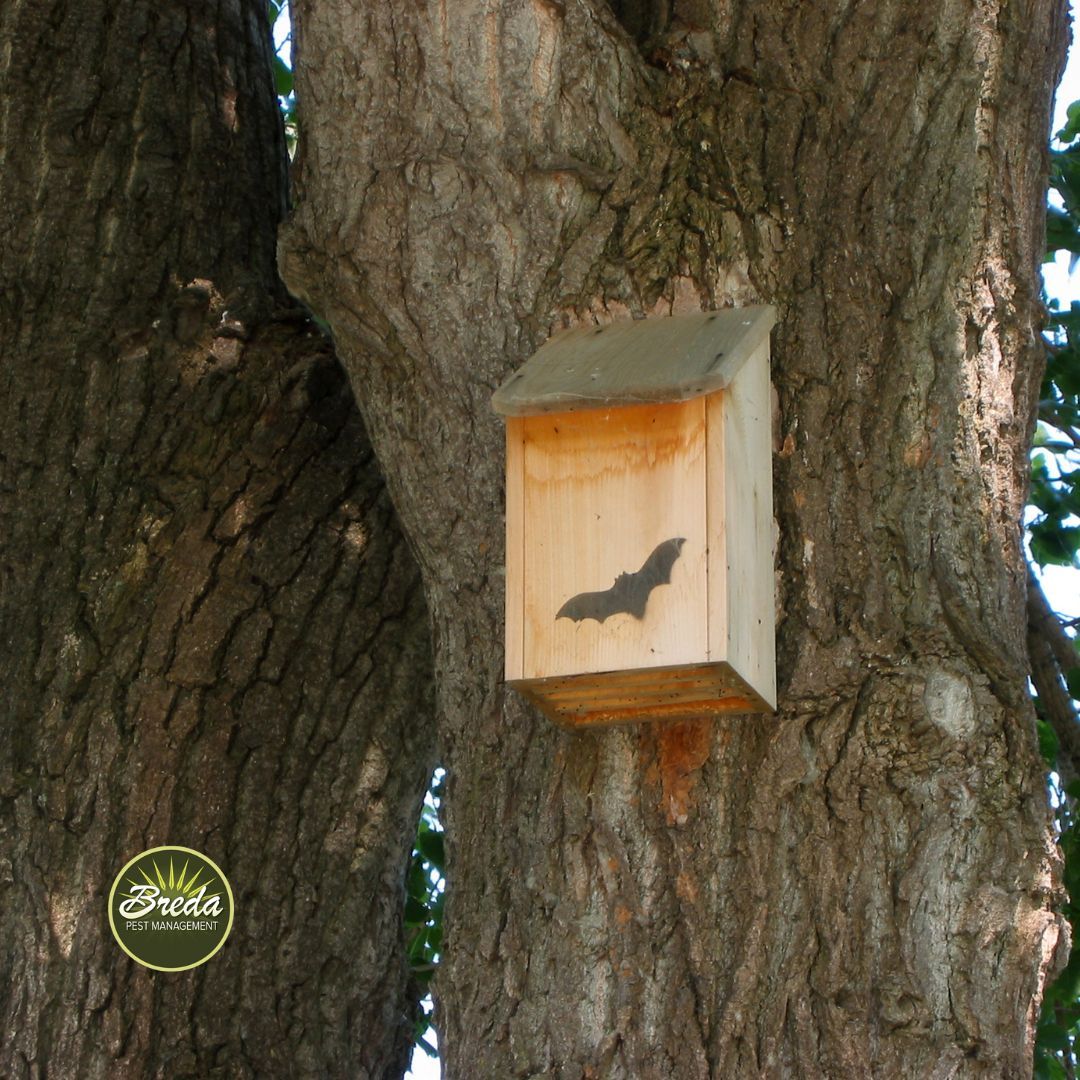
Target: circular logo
pixel 171 908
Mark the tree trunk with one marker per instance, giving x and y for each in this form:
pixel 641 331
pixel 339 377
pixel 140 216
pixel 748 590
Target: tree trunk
pixel 862 884
pixel 212 634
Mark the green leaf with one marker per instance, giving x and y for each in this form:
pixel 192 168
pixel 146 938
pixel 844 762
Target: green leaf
pixel 1049 1068
pixel 283 77
pixel 1053 544
pixel 1053 1037
pixel 1061 232
pixel 417 883
pixel 1072 124
pixel 418 949
pixel 430 845
pixel 1048 743
pixel 416 913
pixel 435 939
pixel 1072 681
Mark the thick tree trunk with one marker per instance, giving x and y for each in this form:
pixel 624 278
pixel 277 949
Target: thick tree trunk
pixel 211 633
pixel 860 885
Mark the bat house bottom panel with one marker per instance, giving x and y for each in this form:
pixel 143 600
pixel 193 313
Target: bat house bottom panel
pixel 622 697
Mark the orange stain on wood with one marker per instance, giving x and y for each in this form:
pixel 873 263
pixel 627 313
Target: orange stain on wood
pixel 681 750
pixel 686 888
pixel 917 453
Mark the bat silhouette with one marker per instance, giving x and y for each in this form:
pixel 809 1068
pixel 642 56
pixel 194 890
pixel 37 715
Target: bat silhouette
pixel 630 593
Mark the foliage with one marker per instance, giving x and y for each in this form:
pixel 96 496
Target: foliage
pixel 1055 481
pixel 1055 478
pixel 283 71
pixel 424 897
pixel 1059 1023
pixel 1054 537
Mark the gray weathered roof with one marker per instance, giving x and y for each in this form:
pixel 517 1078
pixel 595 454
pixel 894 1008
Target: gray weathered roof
pixel 635 362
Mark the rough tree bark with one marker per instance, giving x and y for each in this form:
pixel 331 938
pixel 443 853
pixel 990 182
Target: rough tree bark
pixel 861 885
pixel 211 633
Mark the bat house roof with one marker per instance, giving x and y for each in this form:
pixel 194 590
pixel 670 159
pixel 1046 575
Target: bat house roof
pixel 635 361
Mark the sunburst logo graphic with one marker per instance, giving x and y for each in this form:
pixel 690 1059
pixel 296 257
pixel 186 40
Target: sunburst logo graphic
pixel 171 908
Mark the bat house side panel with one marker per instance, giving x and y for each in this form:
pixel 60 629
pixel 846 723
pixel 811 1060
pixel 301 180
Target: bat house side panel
pixel 615 537
pixel 749 513
pixel 515 549
pixel 716 521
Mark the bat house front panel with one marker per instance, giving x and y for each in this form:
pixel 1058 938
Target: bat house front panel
pixel 614 552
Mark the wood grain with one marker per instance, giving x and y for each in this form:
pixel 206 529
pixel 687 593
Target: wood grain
pixel 636 361
pixel 515 548
pixel 742 616
pixel 601 490
pixel 694 690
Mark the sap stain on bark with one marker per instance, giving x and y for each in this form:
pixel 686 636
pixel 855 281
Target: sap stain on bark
pixel 681 750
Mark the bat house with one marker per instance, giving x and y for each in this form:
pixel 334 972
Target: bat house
pixel 639 532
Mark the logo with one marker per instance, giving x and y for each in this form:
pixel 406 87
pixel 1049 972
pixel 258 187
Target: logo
pixel 170 908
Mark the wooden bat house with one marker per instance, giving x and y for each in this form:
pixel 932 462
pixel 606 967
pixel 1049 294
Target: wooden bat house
pixel 639 530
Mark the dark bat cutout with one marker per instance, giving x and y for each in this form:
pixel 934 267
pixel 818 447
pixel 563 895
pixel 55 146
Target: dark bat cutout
pixel 630 593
